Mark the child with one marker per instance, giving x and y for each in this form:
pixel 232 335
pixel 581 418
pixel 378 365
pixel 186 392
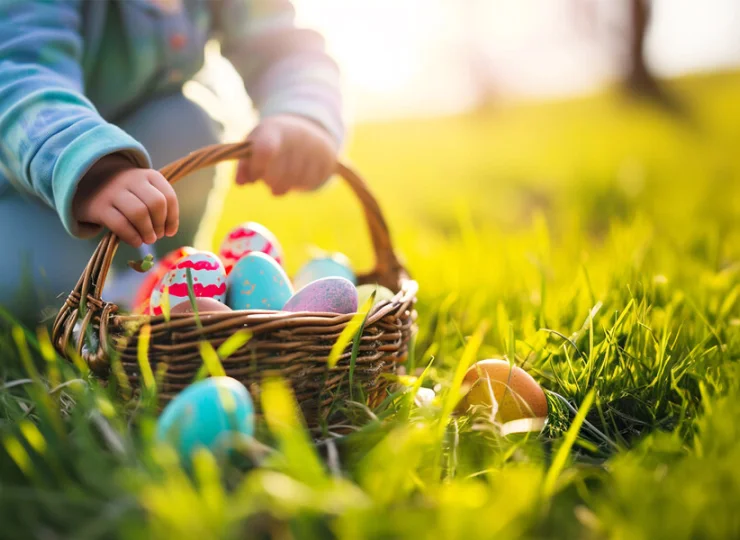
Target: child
pixel 91 104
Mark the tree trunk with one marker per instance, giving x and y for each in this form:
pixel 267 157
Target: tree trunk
pixel 639 80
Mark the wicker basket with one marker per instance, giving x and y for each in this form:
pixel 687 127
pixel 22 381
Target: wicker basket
pixel 292 345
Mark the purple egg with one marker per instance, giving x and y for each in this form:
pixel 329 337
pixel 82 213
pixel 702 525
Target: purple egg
pixel 330 295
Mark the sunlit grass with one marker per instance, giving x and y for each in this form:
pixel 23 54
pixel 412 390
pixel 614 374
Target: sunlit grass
pixel 593 242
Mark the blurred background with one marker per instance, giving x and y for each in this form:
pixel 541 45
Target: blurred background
pixel 426 57
pixel 514 143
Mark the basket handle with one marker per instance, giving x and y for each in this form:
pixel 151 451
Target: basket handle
pixel 388 270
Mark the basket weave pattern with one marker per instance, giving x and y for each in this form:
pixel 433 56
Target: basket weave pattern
pixel 292 345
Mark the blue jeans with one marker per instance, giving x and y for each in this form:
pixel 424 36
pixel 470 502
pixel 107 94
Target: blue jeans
pixel 40 262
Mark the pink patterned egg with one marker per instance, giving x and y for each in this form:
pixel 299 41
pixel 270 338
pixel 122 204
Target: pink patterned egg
pixel 209 281
pixel 246 238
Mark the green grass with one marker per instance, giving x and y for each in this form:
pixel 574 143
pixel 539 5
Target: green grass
pixel 594 241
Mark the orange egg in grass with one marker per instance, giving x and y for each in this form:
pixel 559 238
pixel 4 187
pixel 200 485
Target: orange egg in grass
pixel 508 389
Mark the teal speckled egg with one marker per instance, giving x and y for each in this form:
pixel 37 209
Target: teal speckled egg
pixel 327 295
pixel 335 265
pixel 382 294
pixel 257 281
pixel 207 414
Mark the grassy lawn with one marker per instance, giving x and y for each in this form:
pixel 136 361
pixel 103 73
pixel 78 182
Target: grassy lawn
pixel 595 242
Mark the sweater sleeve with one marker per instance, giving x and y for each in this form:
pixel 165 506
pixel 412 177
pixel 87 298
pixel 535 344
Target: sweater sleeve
pixel 51 134
pixel 285 69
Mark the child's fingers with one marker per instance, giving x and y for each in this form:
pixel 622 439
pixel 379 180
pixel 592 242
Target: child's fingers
pixel 277 176
pixel 301 173
pixel 243 173
pixel 121 227
pixel 314 176
pixel 265 148
pixel 172 219
pixel 137 213
pixel 156 202
pixel 326 170
pixel 314 170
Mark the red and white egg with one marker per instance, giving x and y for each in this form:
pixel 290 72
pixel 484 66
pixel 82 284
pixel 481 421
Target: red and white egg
pixel 245 239
pixel 155 275
pixel 208 275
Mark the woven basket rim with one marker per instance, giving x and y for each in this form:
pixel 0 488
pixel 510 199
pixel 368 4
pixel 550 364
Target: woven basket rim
pixel 85 310
pixel 405 296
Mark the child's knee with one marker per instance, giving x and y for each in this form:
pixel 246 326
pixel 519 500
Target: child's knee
pixel 41 262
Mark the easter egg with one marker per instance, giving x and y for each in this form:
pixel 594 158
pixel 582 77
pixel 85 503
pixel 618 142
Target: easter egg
pixel 209 281
pixel 383 294
pixel 155 275
pixel 424 397
pixel 204 305
pixel 247 238
pixel 510 390
pixel 208 414
pixel 329 295
pixel 257 281
pixel 334 265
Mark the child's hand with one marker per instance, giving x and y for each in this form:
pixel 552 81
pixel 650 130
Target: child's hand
pixel 288 152
pixel 138 205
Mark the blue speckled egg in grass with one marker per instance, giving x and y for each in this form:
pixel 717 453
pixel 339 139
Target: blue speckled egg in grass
pixel 334 265
pixel 329 295
pixel 209 414
pixel 257 281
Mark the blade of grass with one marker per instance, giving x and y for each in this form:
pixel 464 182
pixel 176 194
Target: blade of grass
pixel 561 457
pixel 236 341
pixel 283 418
pixel 353 327
pixel 38 391
pixel 164 303
pixel 191 296
pixel 210 359
pixel 47 353
pixel 453 393
pixel 18 454
pixel 142 355
pixel 356 341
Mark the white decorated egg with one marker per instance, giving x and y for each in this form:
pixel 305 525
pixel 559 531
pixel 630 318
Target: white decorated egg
pixel 257 281
pixel 333 265
pixel 381 293
pixel 209 281
pixel 154 276
pixel 327 295
pixel 247 238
